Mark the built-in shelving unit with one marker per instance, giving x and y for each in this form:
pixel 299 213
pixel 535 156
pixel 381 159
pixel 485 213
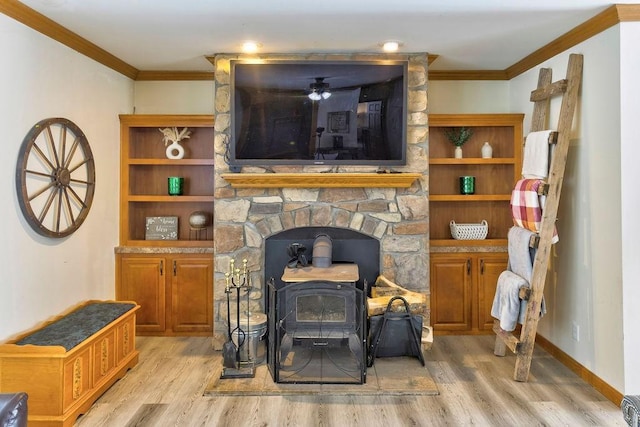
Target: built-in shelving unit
pixel 144 172
pixel 171 279
pixel 495 177
pixel 464 273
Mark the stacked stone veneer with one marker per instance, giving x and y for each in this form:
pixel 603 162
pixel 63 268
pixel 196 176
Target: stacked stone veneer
pixel 399 218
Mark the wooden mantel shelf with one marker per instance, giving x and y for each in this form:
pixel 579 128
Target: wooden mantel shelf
pixel 317 180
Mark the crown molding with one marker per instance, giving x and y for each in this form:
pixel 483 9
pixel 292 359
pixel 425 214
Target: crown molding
pixel 174 75
pixel 35 20
pixel 468 75
pixel 609 17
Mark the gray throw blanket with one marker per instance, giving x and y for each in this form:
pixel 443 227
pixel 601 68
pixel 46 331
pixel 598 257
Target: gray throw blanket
pixel 507 306
pixel 506 303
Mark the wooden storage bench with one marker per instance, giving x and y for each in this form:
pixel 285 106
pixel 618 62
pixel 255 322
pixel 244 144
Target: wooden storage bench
pixel 67 363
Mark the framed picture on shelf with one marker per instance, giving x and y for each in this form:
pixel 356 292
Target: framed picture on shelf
pixel 161 228
pixel 338 121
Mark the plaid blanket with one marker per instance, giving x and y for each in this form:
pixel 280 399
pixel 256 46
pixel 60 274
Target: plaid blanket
pixel 527 205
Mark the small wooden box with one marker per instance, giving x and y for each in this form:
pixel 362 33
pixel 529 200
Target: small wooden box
pixel 161 228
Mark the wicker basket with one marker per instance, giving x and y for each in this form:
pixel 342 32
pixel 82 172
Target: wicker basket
pixel 469 231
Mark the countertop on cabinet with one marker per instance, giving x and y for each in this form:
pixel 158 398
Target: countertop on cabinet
pixel 162 250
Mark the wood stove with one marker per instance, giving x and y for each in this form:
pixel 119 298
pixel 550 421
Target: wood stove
pixel 318 326
pixel 325 342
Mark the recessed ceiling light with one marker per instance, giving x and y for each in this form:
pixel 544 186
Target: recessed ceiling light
pixel 251 47
pixel 391 46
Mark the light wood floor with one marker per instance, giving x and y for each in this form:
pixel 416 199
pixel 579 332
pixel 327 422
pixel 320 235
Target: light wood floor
pixel 166 389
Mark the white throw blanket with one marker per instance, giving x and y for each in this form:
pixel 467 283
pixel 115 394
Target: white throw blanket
pixel 535 163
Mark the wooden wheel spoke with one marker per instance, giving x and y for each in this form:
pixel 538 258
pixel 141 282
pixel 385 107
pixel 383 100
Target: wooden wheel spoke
pixel 43 157
pixel 66 191
pixel 47 205
pixel 58 208
pixel 52 146
pixel 72 151
pixel 80 181
pixel 47 175
pixel 63 143
pixel 42 190
pixel 75 195
pixel 84 162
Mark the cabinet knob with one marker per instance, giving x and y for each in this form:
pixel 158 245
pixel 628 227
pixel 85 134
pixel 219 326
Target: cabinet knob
pixel 161 267
pixel 468 266
pixel 175 266
pixel 481 266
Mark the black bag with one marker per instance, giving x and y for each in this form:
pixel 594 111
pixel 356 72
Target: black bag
pixel 395 334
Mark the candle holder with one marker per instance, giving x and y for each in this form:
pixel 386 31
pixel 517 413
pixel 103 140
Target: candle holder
pixel 175 185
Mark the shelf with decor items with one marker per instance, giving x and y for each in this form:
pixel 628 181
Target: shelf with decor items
pixel 145 169
pixel 494 177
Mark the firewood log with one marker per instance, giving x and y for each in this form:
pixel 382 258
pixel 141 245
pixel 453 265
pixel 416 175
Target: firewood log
pixel 384 289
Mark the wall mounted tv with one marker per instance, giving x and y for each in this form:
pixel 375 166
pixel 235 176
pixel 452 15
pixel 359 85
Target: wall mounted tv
pixel 357 115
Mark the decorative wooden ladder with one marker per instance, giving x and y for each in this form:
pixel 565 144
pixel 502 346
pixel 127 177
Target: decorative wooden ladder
pixel 568 87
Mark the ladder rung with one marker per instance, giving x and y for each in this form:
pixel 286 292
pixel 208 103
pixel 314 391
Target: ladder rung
pixel 507 337
pixel 543 189
pixel 524 293
pixel 549 90
pixel 534 240
pixel 553 138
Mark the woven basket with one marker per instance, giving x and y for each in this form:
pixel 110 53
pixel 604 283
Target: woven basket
pixel 469 231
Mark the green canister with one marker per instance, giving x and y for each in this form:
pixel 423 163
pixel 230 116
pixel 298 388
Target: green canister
pixel 175 184
pixel 467 184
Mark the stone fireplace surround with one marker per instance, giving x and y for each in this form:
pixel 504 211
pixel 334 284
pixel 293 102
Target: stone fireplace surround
pixel 396 217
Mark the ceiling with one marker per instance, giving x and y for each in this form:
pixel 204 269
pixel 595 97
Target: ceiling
pixel 178 35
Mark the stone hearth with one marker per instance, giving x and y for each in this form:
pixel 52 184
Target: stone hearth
pixel 398 218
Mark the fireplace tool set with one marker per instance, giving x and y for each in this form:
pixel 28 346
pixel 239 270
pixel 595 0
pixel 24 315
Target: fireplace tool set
pixel 233 367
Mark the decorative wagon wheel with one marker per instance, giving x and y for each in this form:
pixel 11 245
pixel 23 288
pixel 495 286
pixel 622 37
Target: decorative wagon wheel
pixel 55 177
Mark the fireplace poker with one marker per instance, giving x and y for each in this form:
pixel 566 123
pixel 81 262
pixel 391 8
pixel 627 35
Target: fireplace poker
pixel 234 279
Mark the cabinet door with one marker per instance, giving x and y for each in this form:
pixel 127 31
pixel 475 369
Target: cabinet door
pixel 490 268
pixel 450 292
pixel 192 294
pixel 142 279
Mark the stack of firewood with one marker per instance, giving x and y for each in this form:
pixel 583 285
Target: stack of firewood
pixel 384 289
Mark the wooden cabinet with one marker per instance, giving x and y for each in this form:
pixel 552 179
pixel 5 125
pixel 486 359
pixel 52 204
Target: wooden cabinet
pixel 174 291
pixel 464 273
pixel 494 177
pixel 462 290
pixel 145 168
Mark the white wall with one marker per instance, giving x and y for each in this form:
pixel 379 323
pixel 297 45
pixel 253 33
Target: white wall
pixel 471 97
pixel 39 79
pixel 594 267
pixel 630 176
pixel 584 287
pixel 173 97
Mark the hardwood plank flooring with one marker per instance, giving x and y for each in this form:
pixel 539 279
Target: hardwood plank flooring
pixel 476 388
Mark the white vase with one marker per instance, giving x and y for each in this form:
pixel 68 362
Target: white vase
pixel 487 151
pixel 175 151
pixel 458 153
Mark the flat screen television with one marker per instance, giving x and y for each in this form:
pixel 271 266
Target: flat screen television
pixel 318 113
